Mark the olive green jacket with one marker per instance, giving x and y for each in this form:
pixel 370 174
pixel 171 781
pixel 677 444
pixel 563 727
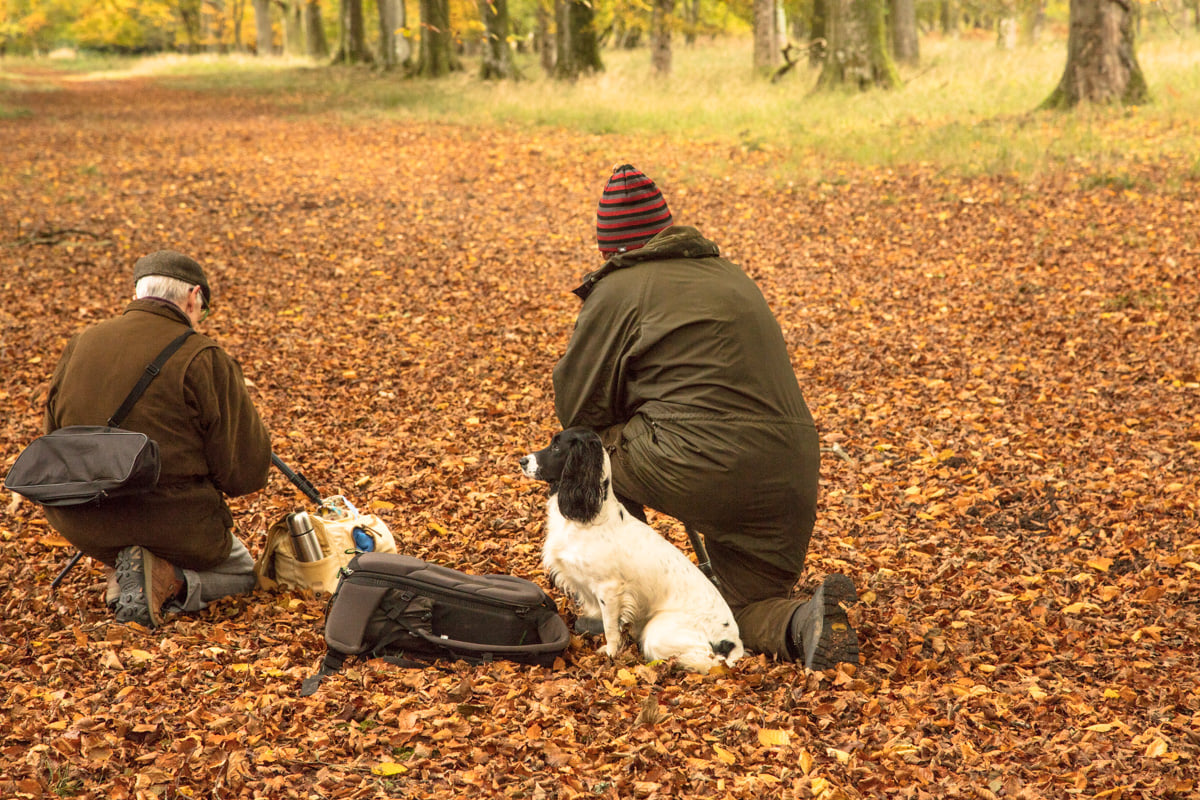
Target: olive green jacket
pixel 678 361
pixel 210 438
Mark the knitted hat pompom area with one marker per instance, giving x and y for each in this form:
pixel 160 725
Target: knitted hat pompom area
pixel 632 210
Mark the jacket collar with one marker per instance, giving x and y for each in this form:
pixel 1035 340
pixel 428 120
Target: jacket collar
pixel 677 241
pixel 159 307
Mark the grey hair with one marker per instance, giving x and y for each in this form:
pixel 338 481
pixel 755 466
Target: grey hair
pixel 163 287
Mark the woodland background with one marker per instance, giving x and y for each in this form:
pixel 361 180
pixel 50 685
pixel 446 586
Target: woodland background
pixel 992 312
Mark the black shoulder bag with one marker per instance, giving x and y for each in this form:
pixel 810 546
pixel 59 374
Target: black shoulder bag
pixel 82 464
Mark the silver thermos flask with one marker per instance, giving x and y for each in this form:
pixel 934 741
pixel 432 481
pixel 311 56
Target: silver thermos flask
pixel 304 538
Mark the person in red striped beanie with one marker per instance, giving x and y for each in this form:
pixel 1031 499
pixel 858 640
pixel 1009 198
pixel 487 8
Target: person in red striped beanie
pixel 678 363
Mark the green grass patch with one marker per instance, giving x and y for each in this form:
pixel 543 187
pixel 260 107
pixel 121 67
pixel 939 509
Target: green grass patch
pixel 968 108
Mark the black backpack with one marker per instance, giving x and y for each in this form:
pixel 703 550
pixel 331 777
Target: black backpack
pixel 408 611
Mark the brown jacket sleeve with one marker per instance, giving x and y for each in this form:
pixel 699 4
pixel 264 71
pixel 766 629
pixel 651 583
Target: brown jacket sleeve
pixel 237 446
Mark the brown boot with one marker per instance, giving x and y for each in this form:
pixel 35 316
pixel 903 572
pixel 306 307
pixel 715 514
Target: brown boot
pixel 147 583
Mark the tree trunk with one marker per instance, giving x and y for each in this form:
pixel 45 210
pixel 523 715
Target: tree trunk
pixel 352 49
pixel 905 44
pixel 189 17
pixel 497 59
pixel 948 11
pixel 263 36
pixel 766 37
pixel 858 46
pixel 660 36
pixel 237 12
pixel 216 26
pixel 393 47
pixel 1102 66
pixel 1033 21
pixel 1007 28
pixel 293 27
pixel 546 40
pixel 315 43
pixel 818 44
pixel 691 19
pixel 437 56
pixel 577 48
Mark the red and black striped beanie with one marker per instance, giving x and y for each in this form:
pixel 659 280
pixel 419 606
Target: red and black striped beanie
pixel 632 210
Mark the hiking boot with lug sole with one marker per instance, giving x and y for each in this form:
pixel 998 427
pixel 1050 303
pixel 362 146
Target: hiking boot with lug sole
pixel 146 584
pixel 820 629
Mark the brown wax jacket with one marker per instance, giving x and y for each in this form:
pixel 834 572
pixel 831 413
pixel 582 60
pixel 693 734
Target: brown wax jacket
pixel 210 438
pixel 678 361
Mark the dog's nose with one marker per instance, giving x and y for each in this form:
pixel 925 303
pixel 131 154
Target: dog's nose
pixel 524 461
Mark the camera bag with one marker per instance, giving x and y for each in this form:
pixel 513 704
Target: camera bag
pixel 409 612
pixel 82 464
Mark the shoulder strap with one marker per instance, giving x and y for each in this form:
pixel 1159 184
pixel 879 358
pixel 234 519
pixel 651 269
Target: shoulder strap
pixel 150 373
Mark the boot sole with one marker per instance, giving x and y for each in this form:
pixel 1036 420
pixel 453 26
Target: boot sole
pixel 133 600
pixel 838 642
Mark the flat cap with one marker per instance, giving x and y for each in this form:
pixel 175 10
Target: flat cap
pixel 173 265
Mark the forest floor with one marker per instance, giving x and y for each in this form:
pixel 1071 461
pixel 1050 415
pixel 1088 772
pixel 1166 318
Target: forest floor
pixel 1005 375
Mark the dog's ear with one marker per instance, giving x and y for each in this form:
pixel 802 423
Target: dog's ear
pixel 580 492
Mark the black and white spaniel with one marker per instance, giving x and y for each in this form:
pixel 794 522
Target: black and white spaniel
pixel 619 569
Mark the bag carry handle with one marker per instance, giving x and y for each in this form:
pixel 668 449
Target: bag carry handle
pixel 497 649
pixel 398 613
pixel 149 374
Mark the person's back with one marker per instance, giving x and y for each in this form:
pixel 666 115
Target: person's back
pixel 197 410
pixel 705 339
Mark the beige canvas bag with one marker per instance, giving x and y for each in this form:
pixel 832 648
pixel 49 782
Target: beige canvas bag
pixel 334 524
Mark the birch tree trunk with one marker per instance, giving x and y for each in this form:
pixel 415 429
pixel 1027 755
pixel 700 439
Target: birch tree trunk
pixel 1007 28
pixel 1102 66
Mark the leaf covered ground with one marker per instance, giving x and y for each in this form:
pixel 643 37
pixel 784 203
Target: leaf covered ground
pixel 1006 377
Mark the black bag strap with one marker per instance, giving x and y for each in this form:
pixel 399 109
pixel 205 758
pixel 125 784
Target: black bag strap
pixel 331 664
pixel 150 373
